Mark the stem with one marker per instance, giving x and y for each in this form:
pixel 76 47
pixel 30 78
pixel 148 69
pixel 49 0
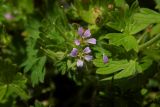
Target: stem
pixel 148 43
pixel 86 67
pixel 141 38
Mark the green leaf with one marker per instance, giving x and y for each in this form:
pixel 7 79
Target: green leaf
pixel 26 5
pixel 7 71
pixel 18 85
pixel 3 90
pixel 153 54
pixel 145 63
pixel 157 4
pixel 71 65
pixel 90 15
pixel 99 62
pixel 126 40
pixel 134 26
pixel 147 15
pixel 11 82
pixel 143 19
pixel 128 70
pixel 33 34
pixel 137 26
pixel 155 29
pixel 16 89
pixel 122 20
pixel 112 67
pixel 38 71
pixel 119 3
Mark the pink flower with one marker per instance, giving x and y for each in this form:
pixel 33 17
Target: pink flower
pixel 84 34
pixel 81 55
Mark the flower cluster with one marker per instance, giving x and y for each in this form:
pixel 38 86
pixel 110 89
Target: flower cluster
pixel 83 54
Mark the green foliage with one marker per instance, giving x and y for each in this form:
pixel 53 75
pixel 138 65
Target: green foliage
pixel 147 16
pixel 34 62
pixel 36 39
pixel 120 3
pixel 126 40
pixel 120 69
pixel 112 67
pixel 38 71
pixel 11 82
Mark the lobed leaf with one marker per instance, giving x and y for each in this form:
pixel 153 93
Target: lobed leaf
pixel 112 67
pixel 126 40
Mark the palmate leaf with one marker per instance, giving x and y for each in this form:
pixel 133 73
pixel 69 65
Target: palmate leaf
pixel 147 16
pixel 126 40
pixel 14 88
pixel 122 20
pixel 131 20
pixel 112 67
pixel 137 26
pixel 34 63
pixel 18 85
pixel 120 69
pixel 11 82
pixel 142 19
pixel 129 70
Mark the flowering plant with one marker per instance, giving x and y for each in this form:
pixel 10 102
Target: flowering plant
pixel 75 53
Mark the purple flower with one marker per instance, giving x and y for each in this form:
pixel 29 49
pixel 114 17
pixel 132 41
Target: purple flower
pixel 105 59
pixel 74 52
pixel 8 16
pixel 80 31
pixel 87 33
pixel 79 63
pixel 87 50
pixel 81 55
pixel 88 57
pixel 84 34
pixel 77 42
pixel 91 41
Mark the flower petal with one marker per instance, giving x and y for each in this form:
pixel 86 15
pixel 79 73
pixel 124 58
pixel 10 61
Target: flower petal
pixel 77 42
pixel 80 31
pixel 87 50
pixel 79 63
pixel 88 57
pixel 91 41
pixel 87 33
pixel 8 16
pixel 105 59
pixel 74 52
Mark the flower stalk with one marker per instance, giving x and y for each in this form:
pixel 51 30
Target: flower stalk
pixel 148 43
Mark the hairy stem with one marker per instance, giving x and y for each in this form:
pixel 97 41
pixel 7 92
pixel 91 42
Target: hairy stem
pixel 148 43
